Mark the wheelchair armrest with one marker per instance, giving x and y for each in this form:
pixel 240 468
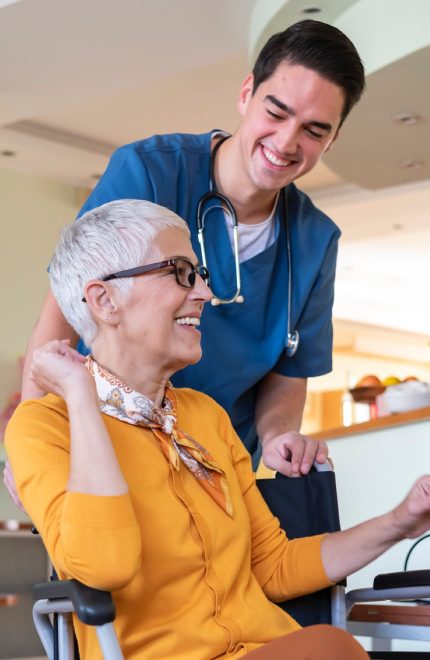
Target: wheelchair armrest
pixel 402 579
pixel 405 585
pixel 92 606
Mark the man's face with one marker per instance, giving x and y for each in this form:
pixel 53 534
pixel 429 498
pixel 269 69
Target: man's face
pixel 290 121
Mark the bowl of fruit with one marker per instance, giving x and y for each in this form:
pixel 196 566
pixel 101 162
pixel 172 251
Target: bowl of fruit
pixel 367 389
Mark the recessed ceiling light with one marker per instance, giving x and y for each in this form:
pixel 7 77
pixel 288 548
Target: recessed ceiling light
pixel 406 118
pixel 7 152
pixel 311 10
pixel 412 164
pixel 5 3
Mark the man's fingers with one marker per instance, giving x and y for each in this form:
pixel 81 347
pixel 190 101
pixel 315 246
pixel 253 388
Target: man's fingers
pixel 274 461
pixel 293 454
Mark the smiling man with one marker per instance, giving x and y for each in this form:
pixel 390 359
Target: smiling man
pixel 304 83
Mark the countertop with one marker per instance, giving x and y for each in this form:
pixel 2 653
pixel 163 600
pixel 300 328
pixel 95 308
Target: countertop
pixel 383 422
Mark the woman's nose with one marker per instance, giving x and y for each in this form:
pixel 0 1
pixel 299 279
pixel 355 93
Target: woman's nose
pixel 201 290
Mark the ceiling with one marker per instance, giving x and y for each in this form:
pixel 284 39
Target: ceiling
pixel 80 78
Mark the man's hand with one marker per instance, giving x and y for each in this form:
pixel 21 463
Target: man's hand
pixel 9 482
pixel 293 454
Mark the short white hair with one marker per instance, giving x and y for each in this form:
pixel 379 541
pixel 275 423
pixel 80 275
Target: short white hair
pixel 110 238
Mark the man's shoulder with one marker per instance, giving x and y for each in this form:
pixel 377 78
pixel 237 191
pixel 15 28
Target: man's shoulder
pixel 170 143
pixel 302 208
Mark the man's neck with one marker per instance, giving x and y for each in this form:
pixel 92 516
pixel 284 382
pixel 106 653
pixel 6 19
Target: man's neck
pixel 252 205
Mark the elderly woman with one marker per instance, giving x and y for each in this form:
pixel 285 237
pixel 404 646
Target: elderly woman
pixel 147 491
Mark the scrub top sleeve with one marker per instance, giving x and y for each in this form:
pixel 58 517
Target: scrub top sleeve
pixel 314 354
pixel 125 177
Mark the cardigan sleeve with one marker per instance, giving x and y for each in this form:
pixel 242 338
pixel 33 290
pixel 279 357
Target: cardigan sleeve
pixel 92 538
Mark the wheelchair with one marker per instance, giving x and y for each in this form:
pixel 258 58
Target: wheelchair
pixel 304 507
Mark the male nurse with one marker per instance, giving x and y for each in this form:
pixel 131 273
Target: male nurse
pixel 303 85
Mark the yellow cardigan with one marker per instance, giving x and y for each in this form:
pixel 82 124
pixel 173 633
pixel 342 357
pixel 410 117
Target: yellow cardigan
pixel 189 582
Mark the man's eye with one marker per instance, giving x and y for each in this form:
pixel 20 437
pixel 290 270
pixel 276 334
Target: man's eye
pixel 314 134
pixel 274 115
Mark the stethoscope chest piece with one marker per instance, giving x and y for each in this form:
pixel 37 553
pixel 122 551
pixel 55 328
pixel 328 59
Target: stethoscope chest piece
pixel 293 339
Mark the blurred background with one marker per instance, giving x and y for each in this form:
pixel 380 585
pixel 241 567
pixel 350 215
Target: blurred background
pixel 78 79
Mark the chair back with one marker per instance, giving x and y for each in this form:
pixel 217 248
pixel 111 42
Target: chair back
pixel 304 507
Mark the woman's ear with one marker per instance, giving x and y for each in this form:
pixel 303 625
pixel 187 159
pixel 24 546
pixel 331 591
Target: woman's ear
pixel 100 300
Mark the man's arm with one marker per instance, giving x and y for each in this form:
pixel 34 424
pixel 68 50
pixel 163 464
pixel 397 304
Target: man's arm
pixel 50 325
pixel 279 412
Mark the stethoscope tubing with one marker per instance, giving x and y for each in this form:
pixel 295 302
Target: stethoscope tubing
pixel 293 338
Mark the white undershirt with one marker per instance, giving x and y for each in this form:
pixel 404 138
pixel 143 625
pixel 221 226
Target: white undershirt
pixel 253 239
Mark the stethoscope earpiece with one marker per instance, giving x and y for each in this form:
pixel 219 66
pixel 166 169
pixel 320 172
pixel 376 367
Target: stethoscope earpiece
pixel 218 301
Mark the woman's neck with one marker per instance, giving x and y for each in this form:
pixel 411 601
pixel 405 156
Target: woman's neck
pixel 144 378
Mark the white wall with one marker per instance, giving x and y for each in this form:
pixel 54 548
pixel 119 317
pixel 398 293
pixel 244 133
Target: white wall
pixel 374 471
pixel 32 213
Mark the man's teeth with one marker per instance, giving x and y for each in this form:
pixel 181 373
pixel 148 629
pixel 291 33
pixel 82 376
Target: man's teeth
pixel 276 161
pixel 188 320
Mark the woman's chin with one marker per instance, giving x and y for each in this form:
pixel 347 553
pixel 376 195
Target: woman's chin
pixel 191 358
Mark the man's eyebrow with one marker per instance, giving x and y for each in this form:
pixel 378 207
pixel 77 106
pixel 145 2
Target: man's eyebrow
pixel 324 126
pixel 279 104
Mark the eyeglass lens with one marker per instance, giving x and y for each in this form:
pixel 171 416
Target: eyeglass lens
pixel 186 273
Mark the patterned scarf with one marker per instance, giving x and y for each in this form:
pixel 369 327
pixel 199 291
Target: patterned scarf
pixel 119 400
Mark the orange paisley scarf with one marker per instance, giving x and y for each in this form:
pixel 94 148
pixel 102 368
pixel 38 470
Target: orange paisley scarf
pixel 122 402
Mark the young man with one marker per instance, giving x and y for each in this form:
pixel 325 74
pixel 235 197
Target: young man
pixel 304 83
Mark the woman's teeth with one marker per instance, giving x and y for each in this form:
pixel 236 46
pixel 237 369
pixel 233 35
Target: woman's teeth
pixel 188 320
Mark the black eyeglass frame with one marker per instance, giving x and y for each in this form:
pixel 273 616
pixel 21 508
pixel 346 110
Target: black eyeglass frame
pixel 160 265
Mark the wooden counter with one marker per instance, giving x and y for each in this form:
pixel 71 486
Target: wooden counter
pixel 398 419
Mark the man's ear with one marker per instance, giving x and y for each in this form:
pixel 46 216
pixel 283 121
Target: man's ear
pixel 245 93
pixel 332 141
pixel 100 300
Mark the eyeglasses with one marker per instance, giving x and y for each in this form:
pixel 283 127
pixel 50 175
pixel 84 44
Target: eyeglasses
pixel 185 272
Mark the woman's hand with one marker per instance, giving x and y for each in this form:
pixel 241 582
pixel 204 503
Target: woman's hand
pixel 59 369
pixel 413 514
pixel 346 551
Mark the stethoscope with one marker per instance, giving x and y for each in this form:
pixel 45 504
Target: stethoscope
pixel 293 338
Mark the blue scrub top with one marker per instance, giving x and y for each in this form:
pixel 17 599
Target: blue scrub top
pixel 241 342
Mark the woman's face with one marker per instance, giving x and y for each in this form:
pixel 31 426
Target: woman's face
pixel 160 318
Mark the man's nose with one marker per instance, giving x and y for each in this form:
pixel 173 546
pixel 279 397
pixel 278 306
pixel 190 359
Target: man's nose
pixel 287 139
